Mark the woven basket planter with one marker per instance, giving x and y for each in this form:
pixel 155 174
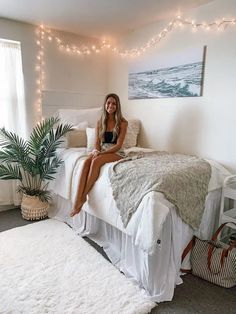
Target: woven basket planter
pixel 32 208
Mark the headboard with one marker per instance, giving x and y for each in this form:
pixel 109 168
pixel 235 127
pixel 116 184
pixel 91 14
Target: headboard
pixel 64 99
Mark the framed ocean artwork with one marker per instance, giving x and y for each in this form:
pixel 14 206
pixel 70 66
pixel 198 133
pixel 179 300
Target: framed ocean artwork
pixel 178 75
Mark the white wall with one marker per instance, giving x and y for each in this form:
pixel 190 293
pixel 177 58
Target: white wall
pixel 73 81
pixel 70 81
pixel 205 125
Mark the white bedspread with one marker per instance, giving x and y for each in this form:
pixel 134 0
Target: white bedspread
pixel 146 223
pixel 63 183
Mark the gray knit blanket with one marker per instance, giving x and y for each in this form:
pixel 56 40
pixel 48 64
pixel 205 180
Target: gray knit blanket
pixel 183 179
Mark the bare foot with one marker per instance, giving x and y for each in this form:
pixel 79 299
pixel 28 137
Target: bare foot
pixel 77 209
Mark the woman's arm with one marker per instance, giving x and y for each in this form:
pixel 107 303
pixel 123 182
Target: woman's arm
pixel 120 139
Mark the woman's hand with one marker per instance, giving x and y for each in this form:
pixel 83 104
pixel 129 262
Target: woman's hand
pixel 95 153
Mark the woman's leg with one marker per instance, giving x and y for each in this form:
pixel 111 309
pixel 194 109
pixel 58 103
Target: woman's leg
pixel 81 186
pixel 94 171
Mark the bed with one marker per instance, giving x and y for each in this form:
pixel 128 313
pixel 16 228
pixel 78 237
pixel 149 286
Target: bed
pixel 149 249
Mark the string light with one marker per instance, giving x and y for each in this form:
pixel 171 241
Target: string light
pixel 152 42
pixel 85 50
pixel 39 68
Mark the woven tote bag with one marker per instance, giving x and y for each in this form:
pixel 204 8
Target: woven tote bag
pixel 214 260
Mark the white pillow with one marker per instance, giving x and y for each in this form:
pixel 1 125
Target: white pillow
pixel 91 138
pixel 74 116
pixel 131 137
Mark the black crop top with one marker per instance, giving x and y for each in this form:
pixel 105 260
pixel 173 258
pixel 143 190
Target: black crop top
pixel 108 135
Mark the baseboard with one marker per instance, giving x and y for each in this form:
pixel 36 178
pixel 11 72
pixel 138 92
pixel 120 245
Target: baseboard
pixel 7 207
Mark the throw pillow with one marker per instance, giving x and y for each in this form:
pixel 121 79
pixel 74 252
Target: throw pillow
pixel 91 138
pixel 131 138
pixel 76 138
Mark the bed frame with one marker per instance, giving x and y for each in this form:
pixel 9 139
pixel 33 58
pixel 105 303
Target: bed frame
pixel 157 273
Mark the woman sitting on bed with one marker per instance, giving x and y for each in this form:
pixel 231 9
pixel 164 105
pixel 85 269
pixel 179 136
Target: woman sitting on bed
pixel 110 134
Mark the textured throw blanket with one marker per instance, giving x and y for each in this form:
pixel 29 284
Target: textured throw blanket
pixel 183 179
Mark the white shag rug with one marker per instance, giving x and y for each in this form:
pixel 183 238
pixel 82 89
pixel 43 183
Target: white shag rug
pixel 46 268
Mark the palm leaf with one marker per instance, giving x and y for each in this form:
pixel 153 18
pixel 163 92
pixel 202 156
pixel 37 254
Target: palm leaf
pixel 40 132
pixel 8 156
pixel 62 129
pixel 49 168
pixel 53 141
pixel 10 172
pixel 7 139
pixel 15 149
pixel 36 158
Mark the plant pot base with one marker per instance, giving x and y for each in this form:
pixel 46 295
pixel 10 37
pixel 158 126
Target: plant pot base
pixel 32 208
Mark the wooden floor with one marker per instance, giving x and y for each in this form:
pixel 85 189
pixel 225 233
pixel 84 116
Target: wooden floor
pixel 192 297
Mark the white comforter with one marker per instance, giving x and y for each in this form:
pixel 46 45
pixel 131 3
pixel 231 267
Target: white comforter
pixel 146 223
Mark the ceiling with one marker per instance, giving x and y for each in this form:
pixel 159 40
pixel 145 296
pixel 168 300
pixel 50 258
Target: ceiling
pixel 95 18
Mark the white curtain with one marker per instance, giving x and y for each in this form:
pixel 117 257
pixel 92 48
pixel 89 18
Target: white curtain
pixel 12 103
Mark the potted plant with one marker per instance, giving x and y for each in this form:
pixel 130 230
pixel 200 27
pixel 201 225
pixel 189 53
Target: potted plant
pixel 33 163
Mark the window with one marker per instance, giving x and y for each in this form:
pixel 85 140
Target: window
pixel 12 105
pixel 12 97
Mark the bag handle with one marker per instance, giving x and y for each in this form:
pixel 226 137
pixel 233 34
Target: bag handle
pixel 191 243
pixel 224 251
pixel 223 255
pixel 185 253
pixel 215 235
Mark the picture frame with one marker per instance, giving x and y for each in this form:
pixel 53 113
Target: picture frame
pixel 179 75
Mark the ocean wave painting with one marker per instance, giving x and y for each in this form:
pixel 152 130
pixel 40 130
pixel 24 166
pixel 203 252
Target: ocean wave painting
pixel 175 81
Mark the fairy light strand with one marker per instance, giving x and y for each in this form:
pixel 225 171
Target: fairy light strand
pixel 44 33
pixel 40 71
pixel 86 49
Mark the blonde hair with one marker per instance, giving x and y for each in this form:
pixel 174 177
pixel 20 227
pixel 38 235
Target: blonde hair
pixel 118 118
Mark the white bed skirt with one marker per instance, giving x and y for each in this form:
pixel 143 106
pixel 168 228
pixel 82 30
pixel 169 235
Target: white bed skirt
pixel 158 273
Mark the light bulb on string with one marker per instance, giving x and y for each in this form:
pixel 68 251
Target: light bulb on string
pixel 178 21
